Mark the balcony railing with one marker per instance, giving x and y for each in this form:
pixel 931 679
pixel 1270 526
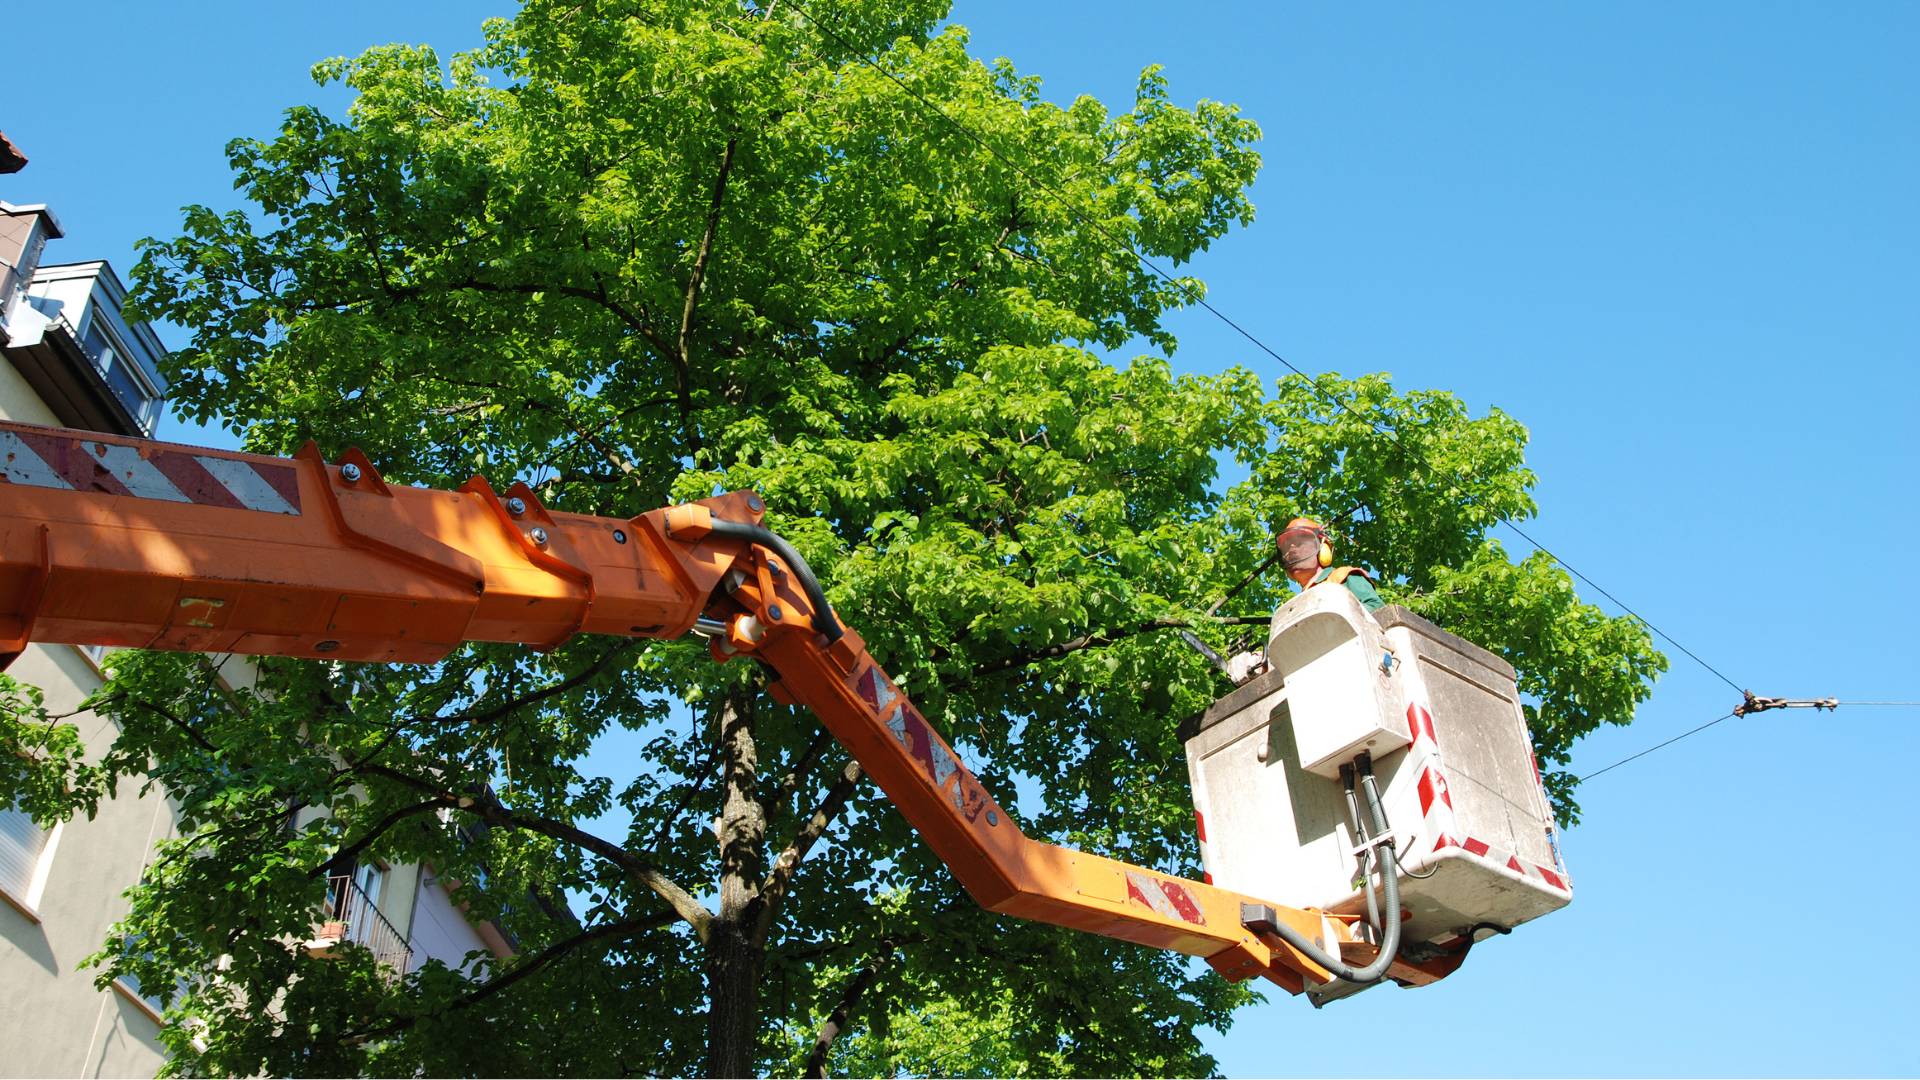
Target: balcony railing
pixel 350 915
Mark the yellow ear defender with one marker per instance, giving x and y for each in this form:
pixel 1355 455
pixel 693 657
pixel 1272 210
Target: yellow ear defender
pixel 1325 555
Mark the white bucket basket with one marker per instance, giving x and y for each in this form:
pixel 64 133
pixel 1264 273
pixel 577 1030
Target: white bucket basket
pixel 1474 835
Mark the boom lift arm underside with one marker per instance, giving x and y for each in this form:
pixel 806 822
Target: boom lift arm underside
pixel 125 542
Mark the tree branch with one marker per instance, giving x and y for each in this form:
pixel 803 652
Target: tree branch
pixel 686 798
pixel 775 887
pixel 849 1000
pixel 1085 641
pixel 597 296
pixel 584 675
pixel 188 729
pixel 490 809
pixel 893 349
pixel 801 766
pixel 609 933
pixel 350 853
pixel 684 351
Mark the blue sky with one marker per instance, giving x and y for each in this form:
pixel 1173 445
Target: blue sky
pixel 1677 241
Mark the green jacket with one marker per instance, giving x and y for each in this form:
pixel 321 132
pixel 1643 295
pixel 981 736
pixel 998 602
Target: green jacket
pixel 1355 579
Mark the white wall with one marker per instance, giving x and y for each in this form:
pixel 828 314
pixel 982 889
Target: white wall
pixel 440 932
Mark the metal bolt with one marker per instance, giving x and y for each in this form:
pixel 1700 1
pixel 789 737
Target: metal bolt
pixel 619 536
pixel 774 612
pixel 993 818
pixel 325 646
pixel 540 536
pixel 754 504
pixel 349 472
pixel 516 506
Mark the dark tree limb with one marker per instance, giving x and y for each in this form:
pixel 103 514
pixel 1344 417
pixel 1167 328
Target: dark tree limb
pixel 579 678
pixel 187 729
pixel 893 349
pixel 609 934
pixel 1084 641
pixel 774 889
pixel 596 296
pixel 802 765
pixel 680 805
pixel 843 1009
pixel 683 352
pixel 348 854
pixel 491 810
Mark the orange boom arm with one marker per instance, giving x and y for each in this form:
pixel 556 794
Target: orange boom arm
pixel 126 542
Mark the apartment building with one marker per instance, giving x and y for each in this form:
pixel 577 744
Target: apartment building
pixel 71 359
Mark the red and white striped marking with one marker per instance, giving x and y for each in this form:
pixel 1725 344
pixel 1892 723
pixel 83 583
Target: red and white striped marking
pixel 1436 802
pixel 1507 859
pixel 1200 826
pixel 1436 807
pixel 79 464
pixel 1169 898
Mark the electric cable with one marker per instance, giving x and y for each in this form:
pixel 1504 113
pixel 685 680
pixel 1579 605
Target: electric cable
pixel 1668 638
pixel 1188 290
pixel 1199 300
pixel 1827 703
pixel 1651 749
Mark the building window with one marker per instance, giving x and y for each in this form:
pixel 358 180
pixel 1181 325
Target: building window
pixel 25 851
pixel 122 373
pixel 352 913
pixel 372 879
pixel 130 984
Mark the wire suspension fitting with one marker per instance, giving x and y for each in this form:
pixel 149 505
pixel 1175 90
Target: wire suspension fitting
pixel 1754 704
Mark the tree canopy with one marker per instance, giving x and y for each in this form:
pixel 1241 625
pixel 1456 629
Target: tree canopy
pixel 637 251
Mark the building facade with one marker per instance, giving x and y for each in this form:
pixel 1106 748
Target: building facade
pixel 72 360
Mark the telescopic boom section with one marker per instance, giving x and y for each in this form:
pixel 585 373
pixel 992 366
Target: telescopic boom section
pixel 125 542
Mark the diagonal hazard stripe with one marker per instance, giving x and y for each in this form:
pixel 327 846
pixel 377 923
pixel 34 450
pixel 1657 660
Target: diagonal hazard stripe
pixel 198 484
pixel 1169 899
pixel 247 485
pixel 21 464
pixel 138 474
pixel 38 457
pixel 70 462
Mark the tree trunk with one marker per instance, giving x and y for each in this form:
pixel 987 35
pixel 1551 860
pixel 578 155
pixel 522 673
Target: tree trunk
pixel 734 959
pixel 734 964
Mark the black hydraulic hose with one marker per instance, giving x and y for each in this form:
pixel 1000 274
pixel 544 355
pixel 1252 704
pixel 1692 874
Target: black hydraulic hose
pixel 1390 936
pixel 824 620
pixel 1368 857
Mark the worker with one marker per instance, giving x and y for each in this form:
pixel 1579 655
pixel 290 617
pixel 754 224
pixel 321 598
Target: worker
pixel 1307 553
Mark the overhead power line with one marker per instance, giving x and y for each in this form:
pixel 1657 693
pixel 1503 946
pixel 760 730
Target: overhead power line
pixel 1748 707
pixel 1068 204
pixel 1651 749
pixel 1644 621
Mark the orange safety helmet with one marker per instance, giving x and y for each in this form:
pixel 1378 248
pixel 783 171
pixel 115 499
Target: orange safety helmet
pixel 1301 531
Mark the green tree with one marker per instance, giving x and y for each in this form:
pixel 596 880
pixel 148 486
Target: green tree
pixel 635 251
